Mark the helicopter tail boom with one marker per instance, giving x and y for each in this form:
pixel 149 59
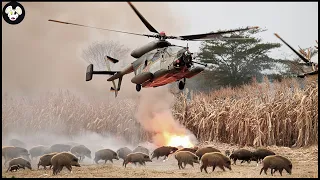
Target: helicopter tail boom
pixel 118 75
pixel 90 72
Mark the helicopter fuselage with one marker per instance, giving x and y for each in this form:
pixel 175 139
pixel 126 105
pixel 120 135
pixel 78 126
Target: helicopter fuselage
pixel 162 66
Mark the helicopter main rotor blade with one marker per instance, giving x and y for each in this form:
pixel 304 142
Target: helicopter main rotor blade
pixel 145 22
pixel 74 24
pixel 209 36
pixel 296 52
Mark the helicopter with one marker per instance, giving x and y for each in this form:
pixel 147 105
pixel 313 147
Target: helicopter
pixel 159 62
pixel 304 56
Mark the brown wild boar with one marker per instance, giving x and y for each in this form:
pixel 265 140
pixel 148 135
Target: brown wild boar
pixel 186 157
pixel 200 152
pixel 21 162
pixel 224 157
pixel 135 158
pixel 81 151
pixel 261 153
pixel 37 151
pixel 105 154
pixel 123 152
pixel 17 143
pixel 62 159
pixel 286 161
pixel 163 151
pixel 14 168
pixel 141 149
pixel 276 162
pixel 45 160
pixel 60 148
pixel 242 154
pixel 10 152
pixel 214 159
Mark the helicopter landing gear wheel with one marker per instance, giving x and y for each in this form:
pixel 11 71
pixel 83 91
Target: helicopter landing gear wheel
pixel 181 85
pixel 138 87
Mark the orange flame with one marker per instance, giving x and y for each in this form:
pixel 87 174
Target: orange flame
pixel 177 140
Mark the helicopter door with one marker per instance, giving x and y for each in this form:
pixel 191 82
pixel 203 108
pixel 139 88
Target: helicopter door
pixel 155 62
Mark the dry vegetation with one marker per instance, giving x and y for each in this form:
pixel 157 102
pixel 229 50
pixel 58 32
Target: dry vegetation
pixel 304 160
pixel 281 113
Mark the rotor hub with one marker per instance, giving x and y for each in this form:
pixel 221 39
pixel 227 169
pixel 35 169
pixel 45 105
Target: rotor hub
pixel 162 33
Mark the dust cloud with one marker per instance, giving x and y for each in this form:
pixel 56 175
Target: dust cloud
pixel 40 56
pixel 154 114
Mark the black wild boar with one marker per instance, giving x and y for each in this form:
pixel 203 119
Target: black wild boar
pixel 21 162
pixel 10 152
pixel 261 153
pixel 123 152
pixel 60 148
pixel 81 151
pixel 105 154
pixel 37 151
pixel 141 149
pixel 17 143
pixel 45 160
pixel 241 154
pixel 14 168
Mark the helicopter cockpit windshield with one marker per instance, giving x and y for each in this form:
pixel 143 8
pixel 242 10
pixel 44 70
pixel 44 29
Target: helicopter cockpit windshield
pixel 175 50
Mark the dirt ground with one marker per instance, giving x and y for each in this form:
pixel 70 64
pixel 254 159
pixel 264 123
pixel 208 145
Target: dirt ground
pixel 304 160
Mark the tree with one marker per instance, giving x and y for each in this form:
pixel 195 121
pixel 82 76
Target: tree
pixel 235 62
pixel 96 52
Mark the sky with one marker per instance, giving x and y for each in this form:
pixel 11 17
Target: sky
pixel 38 55
pixel 295 22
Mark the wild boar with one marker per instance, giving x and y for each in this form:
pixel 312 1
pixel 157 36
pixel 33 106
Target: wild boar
pixel 10 152
pixel 123 152
pixel 14 168
pixel 64 159
pixel 17 143
pixel 276 162
pixel 21 162
pixel 214 159
pixel 186 157
pixel 72 144
pixel 81 151
pixel 60 148
pixel 200 152
pixel 105 154
pixel 45 160
pixel 141 149
pixel 261 153
pixel 137 157
pixel 242 154
pixel 163 151
pixel 37 151
pixel 227 152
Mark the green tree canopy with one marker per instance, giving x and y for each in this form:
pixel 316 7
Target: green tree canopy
pixel 235 62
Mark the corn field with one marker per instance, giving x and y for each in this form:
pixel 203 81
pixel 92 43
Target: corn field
pixel 281 113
